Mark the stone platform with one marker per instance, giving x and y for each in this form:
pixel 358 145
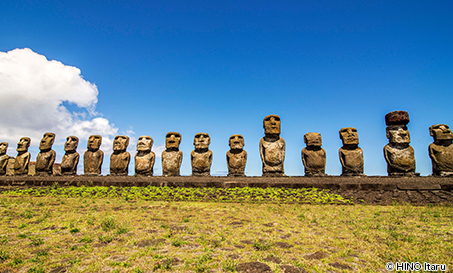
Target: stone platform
pixel 368 189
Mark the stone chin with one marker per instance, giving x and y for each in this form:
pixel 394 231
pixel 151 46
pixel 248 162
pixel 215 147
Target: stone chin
pixel 143 148
pixel 201 146
pixel 351 141
pixel 237 146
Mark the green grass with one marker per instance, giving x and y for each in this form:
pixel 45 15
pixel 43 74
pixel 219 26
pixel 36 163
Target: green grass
pixel 41 231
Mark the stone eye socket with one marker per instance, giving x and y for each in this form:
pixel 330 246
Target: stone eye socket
pixel 240 137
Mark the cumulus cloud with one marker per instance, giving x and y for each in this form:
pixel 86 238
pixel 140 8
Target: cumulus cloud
pixel 33 94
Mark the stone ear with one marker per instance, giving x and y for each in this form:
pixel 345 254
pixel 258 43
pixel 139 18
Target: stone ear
pixel 431 132
pixel 387 133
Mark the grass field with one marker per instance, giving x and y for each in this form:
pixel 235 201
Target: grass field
pixel 83 229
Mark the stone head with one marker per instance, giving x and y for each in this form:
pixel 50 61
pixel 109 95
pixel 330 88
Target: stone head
pixel 23 144
pixel 313 139
pixel 398 134
pixel 440 132
pixel 71 144
pixel 349 136
pixel 94 142
pixel 271 125
pixel 237 142
pixel 47 141
pixel 144 143
pixel 3 148
pixel 120 143
pixel 172 140
pixel 201 141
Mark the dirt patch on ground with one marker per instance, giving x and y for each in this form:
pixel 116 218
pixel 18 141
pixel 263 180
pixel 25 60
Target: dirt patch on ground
pixel 318 255
pixel 254 267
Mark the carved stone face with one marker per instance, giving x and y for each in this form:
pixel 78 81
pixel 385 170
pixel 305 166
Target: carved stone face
pixel 47 141
pixel 201 141
pixel 172 140
pixel 23 144
pixel 3 148
pixel 398 134
pixel 120 143
pixel 313 139
pixel 144 143
pixel 349 136
pixel 441 132
pixel 271 124
pixel 236 142
pixel 71 144
pixel 94 142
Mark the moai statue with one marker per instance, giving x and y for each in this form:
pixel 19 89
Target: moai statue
pixel 3 158
pixel 23 157
pixel 93 157
pixel 314 156
pixel 119 160
pixel 441 150
pixel 70 159
pixel 272 147
pixel 172 156
pixel 144 158
pixel 398 153
pixel 236 156
pixel 46 156
pixel 351 155
pixel 201 157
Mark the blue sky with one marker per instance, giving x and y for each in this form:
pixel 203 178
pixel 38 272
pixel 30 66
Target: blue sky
pixel 221 67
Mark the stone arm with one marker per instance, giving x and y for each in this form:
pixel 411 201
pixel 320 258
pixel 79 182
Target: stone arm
pixel 432 155
pixel 5 162
pixel 341 157
pixel 210 158
pixel 180 158
pixel 51 160
pixel 303 158
pixel 101 159
pixel 153 159
pixel 76 161
pixel 228 161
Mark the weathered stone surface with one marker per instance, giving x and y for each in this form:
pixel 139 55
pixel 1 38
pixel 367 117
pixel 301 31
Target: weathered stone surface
pixel 314 156
pixel 46 156
pixel 272 147
pixel 172 156
pixel 144 158
pixel 441 150
pixel 93 157
pixel 70 159
pixel 3 158
pixel 201 157
pixel 398 153
pixel 23 157
pixel 397 118
pixel 351 155
pixel 236 156
pixel 120 158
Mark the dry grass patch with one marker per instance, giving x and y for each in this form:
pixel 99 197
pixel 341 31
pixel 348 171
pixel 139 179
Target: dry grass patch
pixel 87 234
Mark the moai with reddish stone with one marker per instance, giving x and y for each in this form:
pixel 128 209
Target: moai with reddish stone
pixel 23 157
pixel 172 156
pixel 144 158
pixel 46 156
pixel 201 157
pixel 120 158
pixel 236 156
pixel 93 157
pixel 313 155
pixel 70 159
pixel 351 155
pixel 272 147
pixel 3 158
pixel 398 154
pixel 441 150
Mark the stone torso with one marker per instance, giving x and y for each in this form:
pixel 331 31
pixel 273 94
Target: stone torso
pixel 3 163
pixel 119 163
pixel 442 157
pixel 21 164
pixel 236 162
pixel 201 162
pixel 314 160
pixel 171 162
pixel 400 160
pixel 69 163
pixel 273 155
pixel 92 162
pixel 44 162
pixel 144 163
pixel 352 160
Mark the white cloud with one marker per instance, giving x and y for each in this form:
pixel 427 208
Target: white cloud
pixel 33 91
